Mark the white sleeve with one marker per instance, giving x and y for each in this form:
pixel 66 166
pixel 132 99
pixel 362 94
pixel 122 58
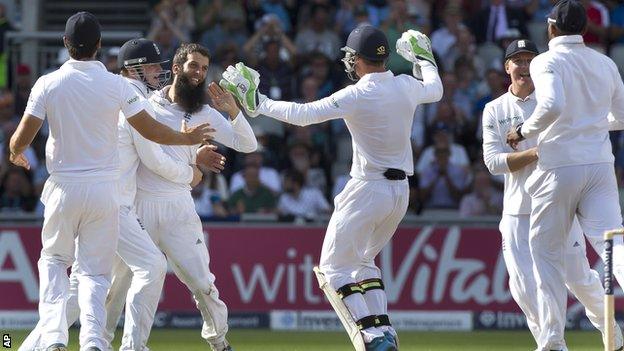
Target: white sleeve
pixel 321 202
pixel 430 88
pixel 340 104
pixel 549 95
pixel 152 156
pixel 236 135
pixel 131 102
pixel 617 101
pixel 36 105
pixel 494 154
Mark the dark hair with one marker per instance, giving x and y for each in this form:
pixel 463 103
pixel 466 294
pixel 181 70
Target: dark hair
pixel 78 53
pixel 181 55
pixel 295 176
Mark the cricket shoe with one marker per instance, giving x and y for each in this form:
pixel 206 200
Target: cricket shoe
pixel 380 344
pixel 57 347
pixel 392 338
pixel 222 346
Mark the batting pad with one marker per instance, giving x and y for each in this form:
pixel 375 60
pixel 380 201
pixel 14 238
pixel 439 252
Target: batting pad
pixel 341 310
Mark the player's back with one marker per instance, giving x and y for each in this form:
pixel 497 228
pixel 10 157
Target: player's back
pixel 82 103
pixel 579 135
pixel 381 124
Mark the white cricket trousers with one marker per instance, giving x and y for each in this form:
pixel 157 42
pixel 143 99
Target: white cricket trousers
pixel 146 266
pixel 366 215
pixel 81 221
pixel 590 193
pixel 580 279
pixel 177 230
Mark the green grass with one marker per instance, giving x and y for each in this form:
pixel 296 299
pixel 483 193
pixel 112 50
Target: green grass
pixel 265 340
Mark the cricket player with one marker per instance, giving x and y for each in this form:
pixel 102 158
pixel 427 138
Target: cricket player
pixel 139 267
pixel 574 174
pixel 377 109
pixel 509 109
pixel 82 101
pixel 166 208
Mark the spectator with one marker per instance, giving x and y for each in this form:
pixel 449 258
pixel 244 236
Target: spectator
pixel 442 184
pixel 300 201
pixel 378 11
pixel 491 23
pixel 176 16
pixel 268 28
pixel 277 75
pixel 398 22
pixel 278 8
pixel 317 36
pixel 210 195
pixel 445 37
pixel 484 199
pixel 253 197
pixel 268 175
pixel 110 59
pixel 442 138
pixel 5 26
pixel 300 159
pixel 230 28
pixel 349 15
pixel 207 12
pixel 464 46
pixel 23 84
pixel 16 191
pixel 597 25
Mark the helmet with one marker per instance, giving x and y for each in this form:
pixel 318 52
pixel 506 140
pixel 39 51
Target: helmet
pixel 365 41
pixel 135 54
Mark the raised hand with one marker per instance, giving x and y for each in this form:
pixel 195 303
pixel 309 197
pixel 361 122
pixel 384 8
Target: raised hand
pixel 415 46
pixel 223 100
pixel 243 82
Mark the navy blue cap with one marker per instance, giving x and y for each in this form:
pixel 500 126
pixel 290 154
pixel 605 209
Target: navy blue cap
pixel 569 16
pixel 83 30
pixel 368 42
pixel 520 45
pixel 138 51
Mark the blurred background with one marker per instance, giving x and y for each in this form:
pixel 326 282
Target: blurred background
pixel 443 270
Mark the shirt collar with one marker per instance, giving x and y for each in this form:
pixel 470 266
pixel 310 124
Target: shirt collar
pixel 519 99
pixel 84 65
pixel 565 39
pixel 376 76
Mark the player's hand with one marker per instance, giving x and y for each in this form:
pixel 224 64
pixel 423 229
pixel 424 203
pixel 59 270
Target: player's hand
pixel 415 46
pixel 19 160
pixel 223 100
pixel 197 176
pixel 243 82
pixel 199 134
pixel 513 138
pixel 212 160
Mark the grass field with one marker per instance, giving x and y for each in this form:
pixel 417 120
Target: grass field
pixel 265 340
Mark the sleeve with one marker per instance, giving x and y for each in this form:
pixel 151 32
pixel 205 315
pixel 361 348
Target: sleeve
pixel 36 105
pixel 428 177
pixel 152 156
pixel 322 203
pixel 549 95
pixel 617 101
pixel 236 135
pixel 340 104
pixel 429 89
pixel 494 155
pixel 131 102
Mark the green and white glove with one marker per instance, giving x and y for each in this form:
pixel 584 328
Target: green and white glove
pixel 414 46
pixel 243 82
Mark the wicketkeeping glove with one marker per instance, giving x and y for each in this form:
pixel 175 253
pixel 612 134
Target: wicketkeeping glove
pixel 243 82
pixel 414 46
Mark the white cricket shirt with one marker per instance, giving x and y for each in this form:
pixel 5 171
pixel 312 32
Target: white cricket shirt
pixel 236 134
pixel 135 149
pixel 82 101
pixel 499 116
pixel 378 111
pixel 575 88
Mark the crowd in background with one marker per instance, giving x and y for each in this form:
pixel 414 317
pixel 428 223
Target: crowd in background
pixel 295 45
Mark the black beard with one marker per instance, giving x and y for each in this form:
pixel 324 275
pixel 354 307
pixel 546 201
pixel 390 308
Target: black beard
pixel 189 97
